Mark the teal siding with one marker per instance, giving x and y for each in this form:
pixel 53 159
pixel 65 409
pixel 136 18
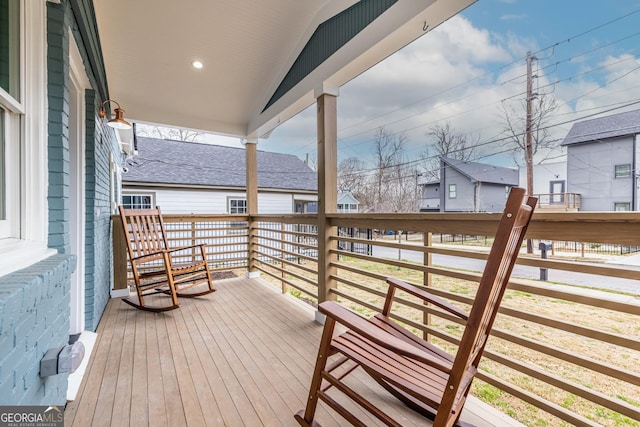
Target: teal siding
pixel 328 38
pixel 58 127
pixel 86 33
pixel 101 143
pixel 34 302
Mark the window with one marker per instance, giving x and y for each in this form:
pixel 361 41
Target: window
pixel 3 215
pixel 452 191
pixel 622 206
pixel 623 171
pixel 311 207
pixel 23 135
pixel 10 108
pixel 10 47
pixel 137 201
pixel 237 206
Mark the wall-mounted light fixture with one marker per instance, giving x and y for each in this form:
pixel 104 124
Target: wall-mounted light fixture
pixel 118 122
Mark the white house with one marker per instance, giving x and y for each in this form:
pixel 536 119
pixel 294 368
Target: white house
pixel 347 203
pixel 548 178
pixel 188 177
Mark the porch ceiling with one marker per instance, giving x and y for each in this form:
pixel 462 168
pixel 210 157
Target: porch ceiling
pixel 247 47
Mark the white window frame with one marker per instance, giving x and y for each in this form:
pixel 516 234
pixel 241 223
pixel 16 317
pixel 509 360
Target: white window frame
pixel 627 174
pixel 237 199
pixel 453 189
pixel 23 238
pixel 617 205
pixel 151 196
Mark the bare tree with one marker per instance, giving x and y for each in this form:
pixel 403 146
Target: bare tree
pixel 449 142
pixel 402 188
pixel 352 177
pixel 528 130
pixel 168 133
pixel 452 143
pixel 392 187
pixel 515 127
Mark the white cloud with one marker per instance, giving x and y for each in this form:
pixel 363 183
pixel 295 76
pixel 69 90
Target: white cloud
pixel 455 73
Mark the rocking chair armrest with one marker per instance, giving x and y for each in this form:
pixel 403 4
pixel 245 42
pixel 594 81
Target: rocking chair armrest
pixel 426 296
pixel 153 255
pixel 181 248
pixel 369 331
pixel 168 251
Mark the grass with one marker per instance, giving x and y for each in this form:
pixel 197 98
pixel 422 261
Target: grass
pixel 625 325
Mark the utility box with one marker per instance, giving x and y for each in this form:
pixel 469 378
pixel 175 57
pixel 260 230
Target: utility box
pixel 62 360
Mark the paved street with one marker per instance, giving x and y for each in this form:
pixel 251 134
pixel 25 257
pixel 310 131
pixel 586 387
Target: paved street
pixel 556 276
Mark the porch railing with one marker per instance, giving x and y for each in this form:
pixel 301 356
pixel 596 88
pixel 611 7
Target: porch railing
pixel 559 201
pixel 569 351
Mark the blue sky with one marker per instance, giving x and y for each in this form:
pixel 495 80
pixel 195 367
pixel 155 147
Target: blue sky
pixel 467 70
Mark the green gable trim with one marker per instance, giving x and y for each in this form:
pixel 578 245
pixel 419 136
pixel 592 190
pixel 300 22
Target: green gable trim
pixel 328 38
pixel 85 18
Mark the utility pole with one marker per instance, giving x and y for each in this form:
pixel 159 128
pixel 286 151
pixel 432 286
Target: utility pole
pixel 528 151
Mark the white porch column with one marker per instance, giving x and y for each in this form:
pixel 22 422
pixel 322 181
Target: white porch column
pixel 252 203
pixel 327 190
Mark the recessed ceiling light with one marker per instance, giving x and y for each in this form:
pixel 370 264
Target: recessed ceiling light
pixel 197 64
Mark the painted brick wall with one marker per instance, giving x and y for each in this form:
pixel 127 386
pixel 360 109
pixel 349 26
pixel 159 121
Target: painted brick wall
pixel 101 147
pixel 34 317
pixel 58 127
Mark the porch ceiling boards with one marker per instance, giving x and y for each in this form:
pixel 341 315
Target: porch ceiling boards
pixel 248 48
pixel 242 356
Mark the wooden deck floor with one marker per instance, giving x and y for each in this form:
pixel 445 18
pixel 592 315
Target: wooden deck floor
pixel 242 356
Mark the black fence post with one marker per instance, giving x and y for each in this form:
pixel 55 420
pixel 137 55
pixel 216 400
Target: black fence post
pixel 544 247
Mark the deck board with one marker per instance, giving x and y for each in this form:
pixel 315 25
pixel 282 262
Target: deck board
pixel 242 356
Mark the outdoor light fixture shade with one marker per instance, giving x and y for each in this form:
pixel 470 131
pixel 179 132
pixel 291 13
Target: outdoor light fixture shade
pixel 118 122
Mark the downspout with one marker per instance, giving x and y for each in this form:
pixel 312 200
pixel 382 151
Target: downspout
pixel 443 206
pixel 476 189
pixel 634 175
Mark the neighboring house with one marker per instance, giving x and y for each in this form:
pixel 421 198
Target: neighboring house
pixel 189 177
pixel 472 187
pixel 58 164
pixel 548 178
pixel 347 203
pixel 602 156
pixel 550 187
pixel 430 200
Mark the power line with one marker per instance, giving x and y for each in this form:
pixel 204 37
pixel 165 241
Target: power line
pixel 493 71
pixel 502 139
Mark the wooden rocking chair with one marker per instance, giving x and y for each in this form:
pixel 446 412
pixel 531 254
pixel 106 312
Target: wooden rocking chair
pixel 156 267
pixel 424 377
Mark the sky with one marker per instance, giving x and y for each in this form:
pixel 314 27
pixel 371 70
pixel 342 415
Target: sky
pixel 469 69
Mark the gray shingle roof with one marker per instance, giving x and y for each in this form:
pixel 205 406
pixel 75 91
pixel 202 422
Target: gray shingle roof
pixel 604 127
pixel 163 161
pixel 482 172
